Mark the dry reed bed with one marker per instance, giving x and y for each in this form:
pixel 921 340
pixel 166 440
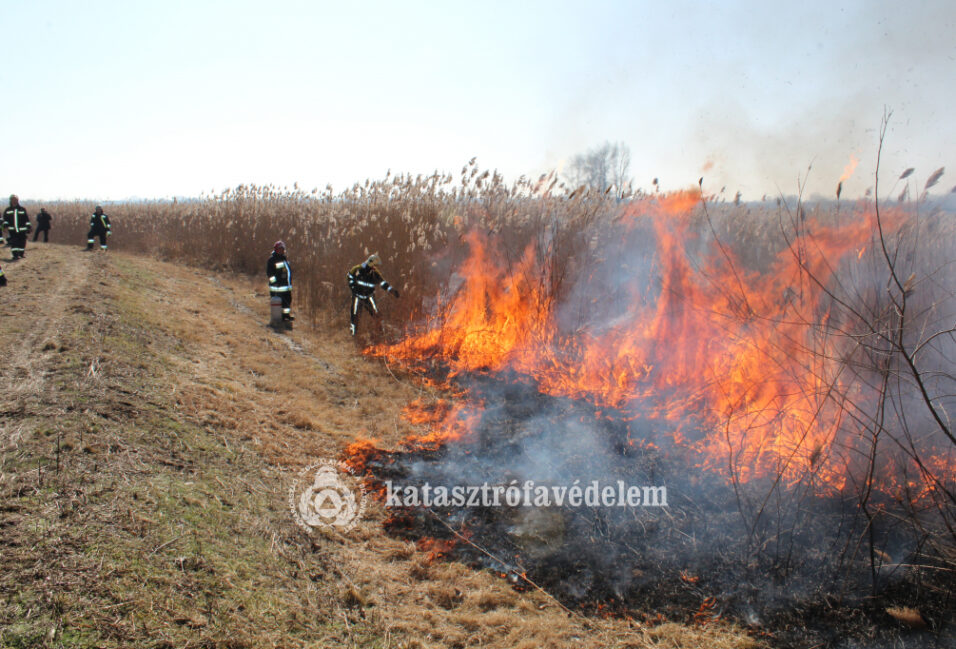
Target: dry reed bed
pixel 416 223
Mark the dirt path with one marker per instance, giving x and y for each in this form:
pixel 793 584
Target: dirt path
pixel 152 427
pixel 41 289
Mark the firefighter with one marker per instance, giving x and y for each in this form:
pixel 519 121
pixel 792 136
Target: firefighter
pixel 17 222
pixel 280 279
pixel 99 227
pixel 364 278
pixel 43 225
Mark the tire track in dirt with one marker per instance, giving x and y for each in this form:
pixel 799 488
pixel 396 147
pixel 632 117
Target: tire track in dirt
pixel 291 343
pixel 42 290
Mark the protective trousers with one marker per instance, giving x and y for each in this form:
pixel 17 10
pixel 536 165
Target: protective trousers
pixel 361 302
pixel 18 243
pixel 96 233
pixel 286 302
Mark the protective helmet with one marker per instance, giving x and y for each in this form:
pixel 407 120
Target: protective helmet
pixel 373 260
pixel 279 247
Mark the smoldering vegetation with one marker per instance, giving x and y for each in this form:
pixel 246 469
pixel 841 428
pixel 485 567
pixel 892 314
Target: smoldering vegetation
pixel 789 575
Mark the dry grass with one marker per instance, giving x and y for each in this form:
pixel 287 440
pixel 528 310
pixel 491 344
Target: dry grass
pixel 145 501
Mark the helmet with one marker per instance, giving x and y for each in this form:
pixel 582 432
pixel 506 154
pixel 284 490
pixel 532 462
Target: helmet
pixel 373 260
pixel 279 247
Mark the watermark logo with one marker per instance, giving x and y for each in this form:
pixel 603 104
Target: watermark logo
pixel 327 494
pixel 526 494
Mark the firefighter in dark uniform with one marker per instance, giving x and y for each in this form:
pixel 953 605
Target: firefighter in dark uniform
pixel 364 278
pixel 99 227
pixel 43 225
pixel 17 222
pixel 280 279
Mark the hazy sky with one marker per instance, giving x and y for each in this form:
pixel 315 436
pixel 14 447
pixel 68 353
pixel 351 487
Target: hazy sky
pixel 108 100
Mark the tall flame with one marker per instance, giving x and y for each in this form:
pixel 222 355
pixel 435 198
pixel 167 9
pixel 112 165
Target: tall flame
pixel 748 355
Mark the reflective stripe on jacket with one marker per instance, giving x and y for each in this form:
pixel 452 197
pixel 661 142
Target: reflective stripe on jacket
pixel 279 273
pixel 16 219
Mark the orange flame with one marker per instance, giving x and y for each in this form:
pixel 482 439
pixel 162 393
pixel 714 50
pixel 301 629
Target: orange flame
pixel 849 168
pixel 742 352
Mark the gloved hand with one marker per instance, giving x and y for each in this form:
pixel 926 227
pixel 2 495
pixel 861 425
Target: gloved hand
pixel 393 291
pixel 109 233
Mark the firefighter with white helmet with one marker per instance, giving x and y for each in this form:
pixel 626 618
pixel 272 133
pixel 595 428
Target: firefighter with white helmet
pixel 363 279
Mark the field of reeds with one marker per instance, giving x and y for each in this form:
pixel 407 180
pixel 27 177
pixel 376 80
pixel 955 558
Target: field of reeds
pixel 409 221
pixel 417 225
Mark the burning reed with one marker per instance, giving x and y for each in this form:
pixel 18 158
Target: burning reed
pixel 785 364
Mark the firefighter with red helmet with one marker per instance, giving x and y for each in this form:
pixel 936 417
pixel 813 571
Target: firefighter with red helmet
pixel 363 279
pixel 280 279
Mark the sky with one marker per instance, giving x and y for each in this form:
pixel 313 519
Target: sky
pixel 112 100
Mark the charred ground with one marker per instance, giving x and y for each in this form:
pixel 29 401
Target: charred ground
pixel 797 573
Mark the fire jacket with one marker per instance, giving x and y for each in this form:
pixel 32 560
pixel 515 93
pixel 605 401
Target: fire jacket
pixel 43 220
pixel 99 223
pixel 16 219
pixel 280 274
pixel 364 278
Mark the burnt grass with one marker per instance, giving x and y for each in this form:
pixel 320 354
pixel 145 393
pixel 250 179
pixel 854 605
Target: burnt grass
pixel 796 568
